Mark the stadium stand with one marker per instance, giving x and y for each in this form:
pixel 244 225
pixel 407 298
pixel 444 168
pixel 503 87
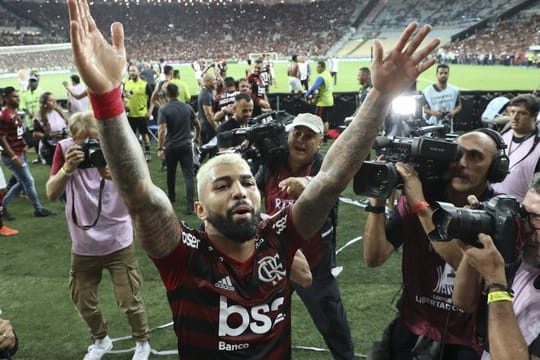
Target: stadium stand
pixel 503 41
pixel 181 32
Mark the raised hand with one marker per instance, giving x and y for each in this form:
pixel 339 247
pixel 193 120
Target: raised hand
pixel 100 64
pixel 394 73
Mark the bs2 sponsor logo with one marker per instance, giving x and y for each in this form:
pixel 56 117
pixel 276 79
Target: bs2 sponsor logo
pixel 255 318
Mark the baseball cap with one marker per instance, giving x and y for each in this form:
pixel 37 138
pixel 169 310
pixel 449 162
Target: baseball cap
pixel 33 78
pixel 311 121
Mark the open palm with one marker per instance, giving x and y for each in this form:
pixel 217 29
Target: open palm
pixel 100 64
pixel 395 72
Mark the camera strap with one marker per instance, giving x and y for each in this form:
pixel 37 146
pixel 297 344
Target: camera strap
pixel 74 215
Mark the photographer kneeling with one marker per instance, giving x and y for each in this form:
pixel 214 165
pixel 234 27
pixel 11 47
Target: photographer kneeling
pixel 102 236
pixel 282 181
pixel 513 299
pixel 428 322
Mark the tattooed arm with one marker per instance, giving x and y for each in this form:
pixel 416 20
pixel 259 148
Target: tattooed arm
pixel 392 74
pixel 101 66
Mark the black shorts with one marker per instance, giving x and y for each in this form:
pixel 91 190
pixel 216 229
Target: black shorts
pixel 325 113
pixel 140 124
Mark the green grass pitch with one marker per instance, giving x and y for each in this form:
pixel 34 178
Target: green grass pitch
pixel 466 77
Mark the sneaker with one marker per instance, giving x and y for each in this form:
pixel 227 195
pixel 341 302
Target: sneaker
pixel 36 161
pixel 7 216
pixel 5 231
pixel 142 350
pixel 148 157
pixel 43 213
pixel 99 348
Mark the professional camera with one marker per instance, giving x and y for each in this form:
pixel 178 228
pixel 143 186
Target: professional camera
pixel 502 217
pixel 429 157
pixel 93 155
pixel 263 141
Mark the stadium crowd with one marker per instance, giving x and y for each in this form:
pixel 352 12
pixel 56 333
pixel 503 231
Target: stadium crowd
pixel 502 42
pixel 182 33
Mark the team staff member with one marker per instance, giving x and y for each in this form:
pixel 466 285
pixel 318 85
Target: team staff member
pixel 282 182
pixel 227 286
pixel 325 96
pixel 137 92
pixel 177 121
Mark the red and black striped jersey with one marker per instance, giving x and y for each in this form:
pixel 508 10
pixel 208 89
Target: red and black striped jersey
pixel 224 309
pixel 12 127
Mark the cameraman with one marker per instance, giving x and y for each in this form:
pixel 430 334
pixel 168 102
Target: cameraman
pixel 282 182
pixel 425 310
pixel 102 238
pixel 241 112
pixel 513 331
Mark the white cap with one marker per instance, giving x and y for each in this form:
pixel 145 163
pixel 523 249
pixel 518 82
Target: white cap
pixel 311 121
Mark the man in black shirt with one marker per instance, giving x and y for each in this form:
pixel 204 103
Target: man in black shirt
pixel 242 110
pixel 176 122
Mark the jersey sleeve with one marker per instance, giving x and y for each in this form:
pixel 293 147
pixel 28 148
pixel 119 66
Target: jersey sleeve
pixel 172 268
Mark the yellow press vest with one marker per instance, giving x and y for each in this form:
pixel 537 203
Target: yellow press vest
pixel 137 102
pixel 325 98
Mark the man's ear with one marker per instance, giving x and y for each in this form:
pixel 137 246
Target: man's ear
pixel 200 210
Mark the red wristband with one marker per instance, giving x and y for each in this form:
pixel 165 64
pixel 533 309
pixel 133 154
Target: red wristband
pixel 107 105
pixel 419 207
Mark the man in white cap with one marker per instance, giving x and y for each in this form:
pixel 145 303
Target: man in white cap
pixel 282 182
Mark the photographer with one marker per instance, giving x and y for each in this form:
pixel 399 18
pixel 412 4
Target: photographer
pixel 522 139
pixel 426 312
pixel 282 182
pixel 102 236
pixel 513 306
pixel 8 339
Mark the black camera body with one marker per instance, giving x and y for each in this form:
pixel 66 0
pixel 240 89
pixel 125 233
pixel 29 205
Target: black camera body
pixel 429 156
pixel 93 155
pixel 266 141
pixel 502 217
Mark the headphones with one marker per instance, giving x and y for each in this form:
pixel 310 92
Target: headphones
pixel 500 163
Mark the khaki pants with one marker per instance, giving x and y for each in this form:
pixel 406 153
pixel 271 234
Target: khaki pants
pixel 127 282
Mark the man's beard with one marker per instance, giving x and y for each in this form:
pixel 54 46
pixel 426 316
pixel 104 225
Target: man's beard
pixel 239 231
